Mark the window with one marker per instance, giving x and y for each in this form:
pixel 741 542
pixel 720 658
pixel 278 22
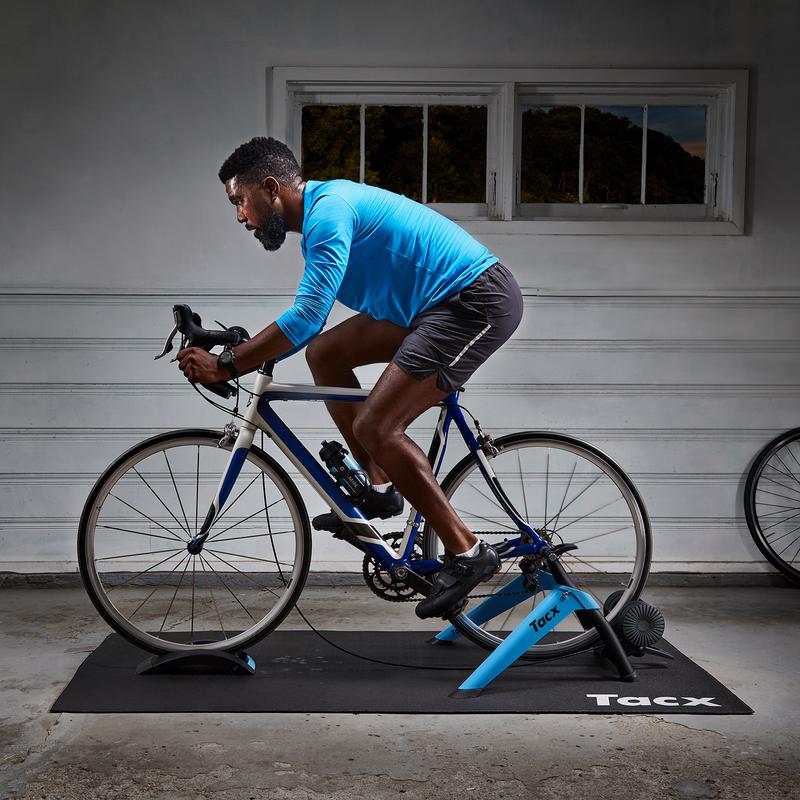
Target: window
pixel 612 157
pixel 434 154
pixel 432 146
pixel 530 151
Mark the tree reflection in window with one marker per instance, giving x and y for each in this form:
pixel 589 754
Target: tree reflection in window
pixel 393 148
pixel 613 157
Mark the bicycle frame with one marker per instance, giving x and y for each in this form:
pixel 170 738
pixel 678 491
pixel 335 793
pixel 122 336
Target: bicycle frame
pixel 260 415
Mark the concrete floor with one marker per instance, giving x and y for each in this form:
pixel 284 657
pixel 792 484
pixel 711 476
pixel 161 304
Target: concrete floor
pixel 746 637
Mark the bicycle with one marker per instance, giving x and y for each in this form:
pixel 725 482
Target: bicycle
pixel 772 503
pixel 226 579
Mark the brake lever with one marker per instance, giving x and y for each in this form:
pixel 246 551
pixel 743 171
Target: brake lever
pixel 167 343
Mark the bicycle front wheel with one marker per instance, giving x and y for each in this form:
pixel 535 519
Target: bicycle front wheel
pixel 134 556
pixel 569 492
pixel 772 503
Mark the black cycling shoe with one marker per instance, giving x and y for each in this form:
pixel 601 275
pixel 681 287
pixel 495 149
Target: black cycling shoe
pixel 375 504
pixel 456 579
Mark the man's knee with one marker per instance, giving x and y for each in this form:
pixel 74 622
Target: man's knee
pixel 320 353
pixel 371 431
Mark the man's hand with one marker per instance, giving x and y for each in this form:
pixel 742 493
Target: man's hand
pixel 200 366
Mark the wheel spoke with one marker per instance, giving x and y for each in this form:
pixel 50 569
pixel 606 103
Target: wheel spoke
pixel 490 497
pixel 244 574
pixel 172 533
pixel 222 581
pixel 582 492
pixel 461 513
pixel 564 498
pixel 156 495
pixel 233 502
pixel 546 484
pixel 249 558
pixel 600 535
pixel 774 505
pixel 213 599
pixel 782 485
pixel 175 593
pixel 775 494
pixel 144 572
pixel 145 553
pixel 599 508
pixel 140 533
pixel 781 552
pixel 177 493
pixel 249 536
pixel 236 524
pixel 787 469
pixel 522 486
pixel 194 564
pixel 780 522
pixel 136 610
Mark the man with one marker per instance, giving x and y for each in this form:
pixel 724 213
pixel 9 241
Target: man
pixel 432 303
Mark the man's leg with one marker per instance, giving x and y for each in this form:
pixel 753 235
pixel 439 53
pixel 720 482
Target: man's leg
pixel 357 341
pixel 396 400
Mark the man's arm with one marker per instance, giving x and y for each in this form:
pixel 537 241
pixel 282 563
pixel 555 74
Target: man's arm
pixel 200 366
pixel 328 238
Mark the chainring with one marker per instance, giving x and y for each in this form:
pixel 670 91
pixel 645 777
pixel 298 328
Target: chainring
pixel 382 583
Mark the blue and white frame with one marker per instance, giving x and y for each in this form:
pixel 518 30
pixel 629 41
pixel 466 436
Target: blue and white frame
pixel 260 415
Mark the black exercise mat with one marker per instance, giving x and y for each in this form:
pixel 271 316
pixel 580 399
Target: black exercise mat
pixel 299 672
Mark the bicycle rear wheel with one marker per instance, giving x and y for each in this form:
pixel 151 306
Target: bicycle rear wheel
pixel 772 503
pixel 568 491
pixel 134 535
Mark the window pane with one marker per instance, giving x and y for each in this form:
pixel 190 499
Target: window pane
pixel 331 142
pixel 550 152
pixel 676 149
pixel 457 154
pixel 394 149
pixel 612 161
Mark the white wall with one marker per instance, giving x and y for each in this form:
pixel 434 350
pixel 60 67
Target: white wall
pixel 678 355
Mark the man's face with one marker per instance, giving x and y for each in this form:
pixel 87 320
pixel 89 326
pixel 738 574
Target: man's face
pixel 255 209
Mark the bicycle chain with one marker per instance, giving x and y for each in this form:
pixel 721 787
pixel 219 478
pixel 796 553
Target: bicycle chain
pixel 415 597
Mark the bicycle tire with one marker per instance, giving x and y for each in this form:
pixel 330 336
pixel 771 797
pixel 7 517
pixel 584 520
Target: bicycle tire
pixel 631 584
pixel 761 492
pixel 289 582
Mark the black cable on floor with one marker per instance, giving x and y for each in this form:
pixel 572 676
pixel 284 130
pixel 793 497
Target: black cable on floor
pixel 457 668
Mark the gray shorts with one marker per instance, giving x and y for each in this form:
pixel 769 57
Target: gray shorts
pixel 454 337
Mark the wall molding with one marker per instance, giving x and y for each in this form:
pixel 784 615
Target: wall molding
pixel 746 297
pixel 475 390
pixel 769 346
pixel 126 435
pixel 17 479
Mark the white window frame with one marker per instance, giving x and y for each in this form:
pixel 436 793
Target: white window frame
pixel 724 89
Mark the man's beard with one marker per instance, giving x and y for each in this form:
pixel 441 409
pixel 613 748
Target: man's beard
pixel 273 235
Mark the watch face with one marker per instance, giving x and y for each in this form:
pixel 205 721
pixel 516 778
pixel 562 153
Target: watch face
pixel 226 360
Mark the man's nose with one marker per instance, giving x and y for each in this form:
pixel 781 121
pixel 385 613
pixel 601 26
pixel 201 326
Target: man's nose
pixel 240 217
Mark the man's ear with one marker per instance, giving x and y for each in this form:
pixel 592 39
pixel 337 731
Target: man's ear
pixel 271 186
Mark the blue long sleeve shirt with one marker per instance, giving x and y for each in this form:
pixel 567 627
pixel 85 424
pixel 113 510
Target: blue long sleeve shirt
pixel 378 253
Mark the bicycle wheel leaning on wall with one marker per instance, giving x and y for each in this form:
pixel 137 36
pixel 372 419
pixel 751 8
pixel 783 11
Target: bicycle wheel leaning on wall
pixel 772 503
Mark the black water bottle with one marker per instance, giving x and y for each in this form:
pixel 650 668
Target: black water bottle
pixel 345 470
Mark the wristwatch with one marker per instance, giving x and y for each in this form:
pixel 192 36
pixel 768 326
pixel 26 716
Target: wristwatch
pixel 227 360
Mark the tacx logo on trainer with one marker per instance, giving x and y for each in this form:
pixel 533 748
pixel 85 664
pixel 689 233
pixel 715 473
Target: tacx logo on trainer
pixel 545 618
pixel 605 700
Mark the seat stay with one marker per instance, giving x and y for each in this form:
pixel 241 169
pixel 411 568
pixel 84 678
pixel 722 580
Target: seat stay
pixel 492 481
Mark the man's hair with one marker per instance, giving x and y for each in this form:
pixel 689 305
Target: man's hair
pixel 259 158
